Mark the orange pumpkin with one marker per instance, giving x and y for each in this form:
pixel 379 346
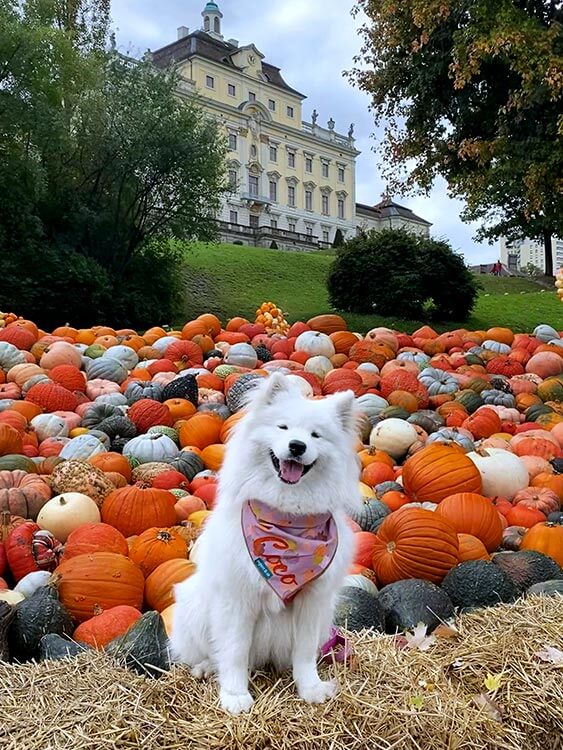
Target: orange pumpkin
pixel 364 546
pixel 10 440
pixel 211 323
pixel 546 538
pixel 201 430
pixel 414 543
pixel 159 592
pixel 469 513
pixel 155 546
pixel 471 548
pixel 437 471
pixel 377 472
pixel 483 423
pixel 101 580
pixel 368 455
pixel 95 537
pixel 112 462
pixel 105 626
pixel 213 456
pixel 550 481
pixel 343 341
pixel 134 509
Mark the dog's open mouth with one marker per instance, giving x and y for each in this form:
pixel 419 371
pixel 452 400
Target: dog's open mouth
pixel 290 471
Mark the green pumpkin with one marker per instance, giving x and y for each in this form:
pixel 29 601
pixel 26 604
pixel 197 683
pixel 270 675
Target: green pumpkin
pixel 15 461
pixel 371 515
pixel 470 400
pixel 551 390
pixel 94 351
pixel 168 431
pixel 357 610
pixel 535 411
pixel 479 384
pixel 473 359
pixel 187 463
pixel 395 412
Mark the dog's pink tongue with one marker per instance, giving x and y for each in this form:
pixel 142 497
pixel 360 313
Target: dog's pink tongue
pixel 291 471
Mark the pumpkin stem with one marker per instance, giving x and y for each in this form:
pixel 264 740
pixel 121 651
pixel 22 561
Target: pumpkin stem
pixel 5 525
pixel 164 536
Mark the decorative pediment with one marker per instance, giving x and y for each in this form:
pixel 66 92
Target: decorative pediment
pixel 326 190
pixel 274 175
pixel 309 185
pixel 341 194
pixel 292 181
pixel 234 164
pixel 254 168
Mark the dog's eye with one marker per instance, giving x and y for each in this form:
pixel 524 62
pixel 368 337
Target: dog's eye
pixel 315 435
pixel 282 427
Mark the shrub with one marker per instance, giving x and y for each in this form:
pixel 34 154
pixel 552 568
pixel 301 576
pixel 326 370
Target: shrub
pixel 395 273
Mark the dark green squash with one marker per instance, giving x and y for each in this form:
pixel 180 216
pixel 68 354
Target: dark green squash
pixel 371 515
pixel 358 610
pixel 238 392
pixel 406 603
pixel 42 613
pixel 470 400
pixel 527 567
pixel 389 486
pixel 187 463
pixel 7 614
pixel 535 411
pixel 98 413
pixel 429 420
pixel 395 412
pixel 14 461
pixel 184 386
pixel 478 583
pixel 116 426
pixel 140 389
pixel 144 648
pixel 53 647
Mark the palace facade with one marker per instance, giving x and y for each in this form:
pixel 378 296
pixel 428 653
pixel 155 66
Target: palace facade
pixel 293 182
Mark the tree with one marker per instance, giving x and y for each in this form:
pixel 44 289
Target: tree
pixel 395 273
pixel 472 91
pixel 338 238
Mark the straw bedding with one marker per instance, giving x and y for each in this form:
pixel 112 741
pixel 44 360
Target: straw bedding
pixel 390 698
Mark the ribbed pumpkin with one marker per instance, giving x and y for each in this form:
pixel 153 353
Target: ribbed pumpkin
pixel 201 430
pixel 546 538
pixel 95 537
pixel 414 543
pixel 343 380
pixel 10 440
pixel 471 548
pixel 483 423
pixel 136 508
pixel 105 626
pixel 369 351
pixel 213 456
pixel 147 413
pixel 159 585
pixel 69 377
pixel 327 324
pixel 343 341
pixel 101 580
pixel 473 514
pixel 112 462
pixel 155 546
pixel 52 397
pixel 437 471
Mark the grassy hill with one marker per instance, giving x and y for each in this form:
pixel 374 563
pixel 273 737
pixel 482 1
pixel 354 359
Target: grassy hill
pixel 232 280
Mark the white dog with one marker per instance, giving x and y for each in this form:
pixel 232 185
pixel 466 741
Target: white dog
pixel 276 548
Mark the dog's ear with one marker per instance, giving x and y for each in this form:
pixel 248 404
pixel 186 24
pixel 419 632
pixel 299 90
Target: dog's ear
pixel 269 390
pixel 344 405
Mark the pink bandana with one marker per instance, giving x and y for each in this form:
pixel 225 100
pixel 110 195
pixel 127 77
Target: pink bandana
pixel 288 551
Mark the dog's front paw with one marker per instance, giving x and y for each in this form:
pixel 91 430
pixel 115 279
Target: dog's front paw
pixel 319 692
pixel 201 670
pixel 235 703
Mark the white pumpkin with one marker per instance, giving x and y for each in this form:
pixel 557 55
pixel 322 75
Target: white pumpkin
pixel 315 343
pixel 545 333
pixel 123 354
pixel 151 447
pixel 116 399
pixel 242 355
pixel 371 404
pixel 82 448
pixel 29 584
pixel 304 386
pixel 164 342
pixel 10 356
pixel 503 474
pixel 48 425
pixel 368 367
pixel 319 366
pixel 394 436
pixel 64 513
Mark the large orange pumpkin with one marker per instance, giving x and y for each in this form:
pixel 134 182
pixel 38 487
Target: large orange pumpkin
pixel 437 471
pixel 10 440
pixel 95 537
pixel 112 462
pixel 471 548
pixel 546 538
pixel 414 543
pixel 105 626
pixel 159 586
pixel 134 509
pixel 201 430
pixel 102 580
pixel 473 514
pixel 155 546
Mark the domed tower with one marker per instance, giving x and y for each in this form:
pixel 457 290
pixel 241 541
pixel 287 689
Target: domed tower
pixel 212 20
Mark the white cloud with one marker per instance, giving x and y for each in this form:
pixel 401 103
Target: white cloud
pixel 313 43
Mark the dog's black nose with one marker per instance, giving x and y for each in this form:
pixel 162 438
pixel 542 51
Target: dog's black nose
pixel 297 448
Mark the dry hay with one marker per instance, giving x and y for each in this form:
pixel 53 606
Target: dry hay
pixel 389 698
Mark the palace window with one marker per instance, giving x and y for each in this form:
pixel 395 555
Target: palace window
pixel 273 190
pixel 232 141
pixel 253 185
pixel 291 195
pixel 309 231
pixel 254 221
pixel 273 223
pixel 291 159
pixel 326 235
pixel 291 225
pixel 233 217
pixel 308 200
pixel 233 178
pixel 272 105
pixel 325 205
pixel 210 82
pixel 290 111
pixel 309 164
pixel 341 210
pixel 232 89
pixel 251 96
pixel 325 172
pixel 340 174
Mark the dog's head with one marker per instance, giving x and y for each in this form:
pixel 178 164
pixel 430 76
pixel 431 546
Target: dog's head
pixel 298 447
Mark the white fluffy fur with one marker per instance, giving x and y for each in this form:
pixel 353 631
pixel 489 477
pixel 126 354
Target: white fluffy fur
pixel 227 619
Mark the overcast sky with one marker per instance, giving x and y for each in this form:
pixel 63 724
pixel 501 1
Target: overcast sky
pixel 313 42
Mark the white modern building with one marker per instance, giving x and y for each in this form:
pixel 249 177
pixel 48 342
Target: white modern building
pixel 516 255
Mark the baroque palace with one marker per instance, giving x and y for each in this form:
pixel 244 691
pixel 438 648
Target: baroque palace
pixel 292 182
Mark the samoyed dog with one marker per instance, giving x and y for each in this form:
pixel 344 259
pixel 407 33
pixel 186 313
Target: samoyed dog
pixel 276 548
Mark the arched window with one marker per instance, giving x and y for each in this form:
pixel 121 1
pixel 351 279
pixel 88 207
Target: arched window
pixel 217 25
pixel 206 24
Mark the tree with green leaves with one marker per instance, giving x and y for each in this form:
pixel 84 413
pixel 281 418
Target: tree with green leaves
pixel 472 90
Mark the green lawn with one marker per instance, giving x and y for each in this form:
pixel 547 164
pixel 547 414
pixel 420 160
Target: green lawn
pixel 232 280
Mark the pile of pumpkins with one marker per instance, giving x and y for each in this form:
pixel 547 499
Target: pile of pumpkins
pixel 110 444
